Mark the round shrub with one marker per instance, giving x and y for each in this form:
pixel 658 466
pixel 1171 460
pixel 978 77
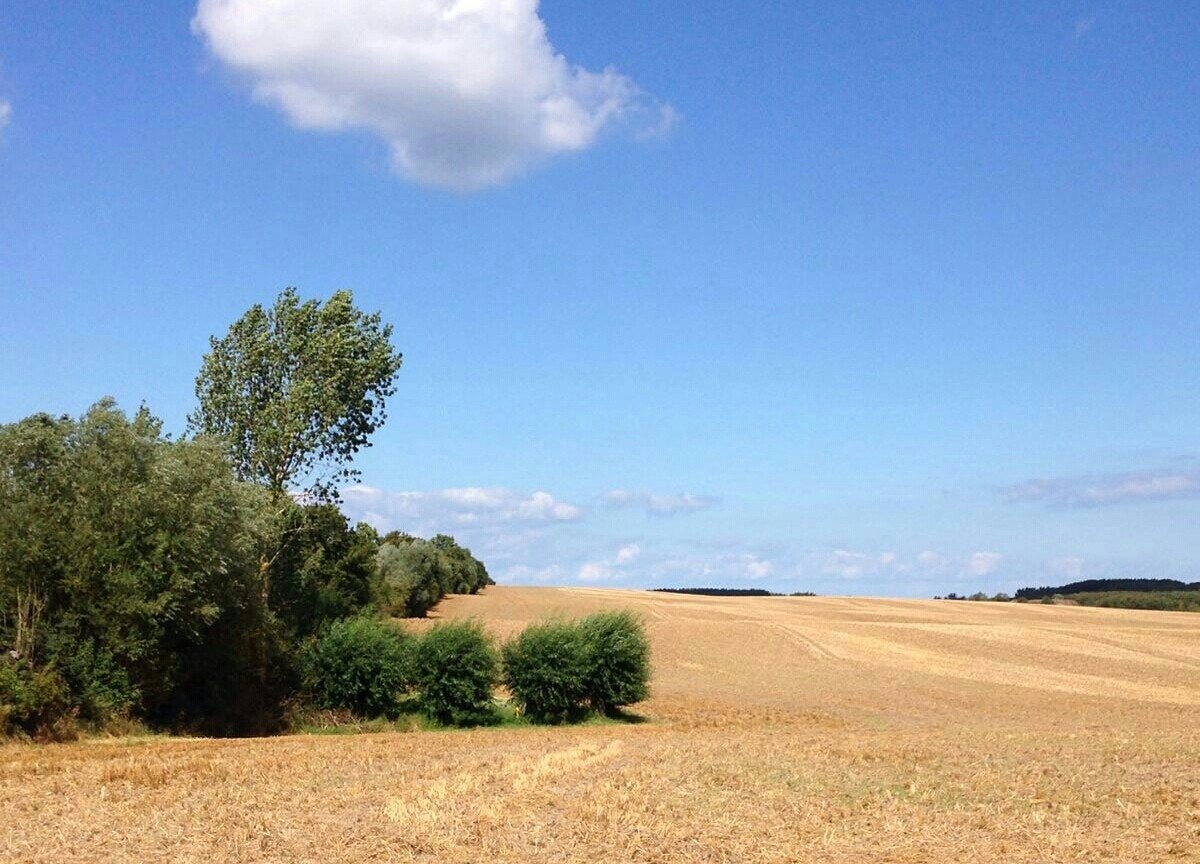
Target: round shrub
pixel 456 670
pixel 617 660
pixel 360 664
pixel 546 670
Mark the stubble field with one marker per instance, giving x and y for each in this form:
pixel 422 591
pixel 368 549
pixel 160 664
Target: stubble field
pixel 780 730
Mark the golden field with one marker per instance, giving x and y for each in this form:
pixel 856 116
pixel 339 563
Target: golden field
pixel 780 730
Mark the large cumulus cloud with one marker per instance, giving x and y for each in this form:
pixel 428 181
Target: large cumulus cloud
pixel 467 93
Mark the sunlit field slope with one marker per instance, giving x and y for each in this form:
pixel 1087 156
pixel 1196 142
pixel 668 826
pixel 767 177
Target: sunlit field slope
pixel 780 729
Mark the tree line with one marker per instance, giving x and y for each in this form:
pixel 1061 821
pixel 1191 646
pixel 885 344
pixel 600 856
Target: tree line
pixel 182 583
pixel 1093 585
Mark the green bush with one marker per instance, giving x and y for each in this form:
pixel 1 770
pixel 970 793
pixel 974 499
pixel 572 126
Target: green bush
pixel 360 664
pixel 413 575
pixel 410 578
pixel 34 702
pixel 101 686
pixel 462 572
pixel 324 569
pixel 546 669
pixel 457 670
pixel 142 551
pixel 617 660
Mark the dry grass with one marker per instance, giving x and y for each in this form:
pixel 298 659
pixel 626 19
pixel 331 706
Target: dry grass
pixel 784 730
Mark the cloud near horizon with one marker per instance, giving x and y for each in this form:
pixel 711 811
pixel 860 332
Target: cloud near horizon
pixel 984 563
pixel 1104 490
pixel 659 505
pixel 448 510
pixel 538 538
pixel 851 565
pixel 466 93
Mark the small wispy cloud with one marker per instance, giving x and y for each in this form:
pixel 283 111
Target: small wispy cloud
pixel 709 568
pixel 1070 566
pixel 757 568
pixel 846 564
pixel 851 564
pixel 983 563
pixel 612 569
pixel 659 505
pixel 5 114
pixel 1104 490
pixel 930 560
pixel 449 510
pixel 1083 27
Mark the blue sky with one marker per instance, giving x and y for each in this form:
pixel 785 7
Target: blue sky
pixel 854 298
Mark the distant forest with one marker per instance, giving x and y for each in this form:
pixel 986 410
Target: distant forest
pixel 732 592
pixel 1092 585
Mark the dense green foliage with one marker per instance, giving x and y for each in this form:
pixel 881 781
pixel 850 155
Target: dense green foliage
pixel 617 660
pixel 556 671
pixel 1167 601
pixel 1095 585
pixel 129 562
pixel 546 670
pixel 322 570
pixel 415 574
pixel 140 578
pixel 178 582
pixel 457 669
pixel 360 664
pixel 410 578
pixel 34 702
pixel 294 391
pixel 1162 594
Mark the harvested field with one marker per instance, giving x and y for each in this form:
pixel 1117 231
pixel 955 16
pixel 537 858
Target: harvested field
pixel 780 730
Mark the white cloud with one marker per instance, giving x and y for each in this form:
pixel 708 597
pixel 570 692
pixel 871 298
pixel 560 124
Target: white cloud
pixel 758 569
pixel 847 564
pixel 931 560
pixel 467 93
pixel 983 563
pixel 1102 490
pixel 5 114
pixel 448 510
pixel 1069 566
pixel 705 567
pixel 613 568
pixel 596 571
pixel 659 505
pixel 628 553
pixel 525 575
